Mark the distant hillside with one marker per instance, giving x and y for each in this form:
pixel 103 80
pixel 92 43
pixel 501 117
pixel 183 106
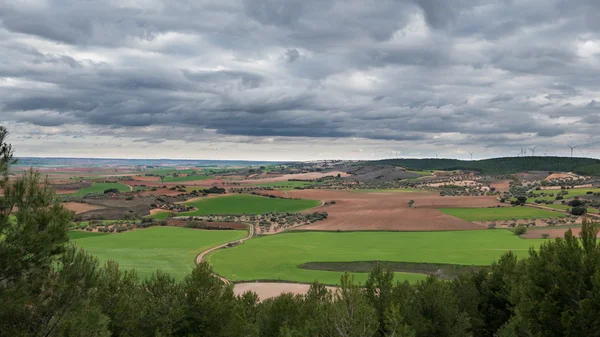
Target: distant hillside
pixel 506 165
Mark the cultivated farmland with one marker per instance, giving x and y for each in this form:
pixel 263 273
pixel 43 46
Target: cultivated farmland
pixel 170 249
pixel 248 204
pixel 277 257
pixel 100 188
pixel 500 213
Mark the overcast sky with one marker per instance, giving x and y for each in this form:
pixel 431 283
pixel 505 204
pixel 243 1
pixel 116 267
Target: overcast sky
pixel 300 80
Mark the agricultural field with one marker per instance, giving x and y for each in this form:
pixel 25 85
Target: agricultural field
pixel 277 257
pixel 171 249
pixel 100 188
pixel 179 179
pixel 571 193
pixel 500 213
pixel 248 204
pixel 567 207
pixel 287 185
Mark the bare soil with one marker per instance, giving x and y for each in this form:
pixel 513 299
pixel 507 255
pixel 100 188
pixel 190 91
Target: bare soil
pixel 266 290
pixel 552 232
pixel 390 211
pixel 78 207
pixel 501 186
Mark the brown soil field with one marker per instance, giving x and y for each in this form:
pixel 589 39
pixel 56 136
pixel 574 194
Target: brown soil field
pixel 299 176
pixel 78 207
pixel 501 186
pixel 552 232
pixel 266 290
pixel 160 191
pixel 390 211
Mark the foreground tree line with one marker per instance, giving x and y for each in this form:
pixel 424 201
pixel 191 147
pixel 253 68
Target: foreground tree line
pixel 50 288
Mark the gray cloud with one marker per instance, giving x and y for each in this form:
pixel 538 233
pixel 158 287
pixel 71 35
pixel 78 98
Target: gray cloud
pixel 406 76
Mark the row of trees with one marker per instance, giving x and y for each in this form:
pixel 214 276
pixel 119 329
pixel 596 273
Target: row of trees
pixel 50 288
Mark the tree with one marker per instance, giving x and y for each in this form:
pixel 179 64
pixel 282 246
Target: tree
pixel 350 314
pixel 162 179
pixel 578 210
pixel 411 203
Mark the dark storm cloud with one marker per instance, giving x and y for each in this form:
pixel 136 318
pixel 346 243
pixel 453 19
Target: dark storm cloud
pixel 475 73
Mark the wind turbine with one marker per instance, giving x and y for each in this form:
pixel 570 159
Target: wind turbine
pixel 572 148
pixel 436 155
pixel 471 153
pixel 545 153
pixel 533 151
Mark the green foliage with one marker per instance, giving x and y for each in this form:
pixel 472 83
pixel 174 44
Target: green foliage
pixel 496 166
pixel 578 210
pixel 520 230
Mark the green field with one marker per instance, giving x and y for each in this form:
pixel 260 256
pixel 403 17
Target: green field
pixel 100 188
pixel 500 213
pixel 567 207
pixel 248 204
pixel 159 215
pixel 277 257
pixel 570 193
pixel 74 235
pixel 171 249
pixel 287 185
pixel 171 179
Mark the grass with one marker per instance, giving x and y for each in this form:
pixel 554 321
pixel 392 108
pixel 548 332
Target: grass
pixel 576 192
pixel 159 215
pixel 500 213
pixel 566 207
pixel 278 257
pixel 100 188
pixel 74 235
pixel 287 185
pixel 171 179
pixel 248 204
pixel 171 249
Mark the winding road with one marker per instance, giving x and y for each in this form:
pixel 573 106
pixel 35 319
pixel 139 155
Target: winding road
pixel 201 256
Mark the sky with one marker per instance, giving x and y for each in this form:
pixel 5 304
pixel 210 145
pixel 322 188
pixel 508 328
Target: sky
pixel 300 80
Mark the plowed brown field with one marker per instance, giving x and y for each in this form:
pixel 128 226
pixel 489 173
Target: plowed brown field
pixel 390 211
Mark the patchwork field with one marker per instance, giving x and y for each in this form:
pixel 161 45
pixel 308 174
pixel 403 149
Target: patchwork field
pixel 277 257
pixel 248 204
pixel 100 188
pixel 500 213
pixel 390 211
pixel 170 249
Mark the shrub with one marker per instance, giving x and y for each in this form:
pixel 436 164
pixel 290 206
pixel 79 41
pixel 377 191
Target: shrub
pixel 575 203
pixel 545 236
pixel 520 230
pixel 578 210
pixel 558 197
pixel 491 226
pixel 111 190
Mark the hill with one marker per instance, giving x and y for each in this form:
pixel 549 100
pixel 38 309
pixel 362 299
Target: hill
pixel 505 165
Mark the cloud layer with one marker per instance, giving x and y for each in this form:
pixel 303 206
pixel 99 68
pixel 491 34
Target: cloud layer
pixel 310 79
